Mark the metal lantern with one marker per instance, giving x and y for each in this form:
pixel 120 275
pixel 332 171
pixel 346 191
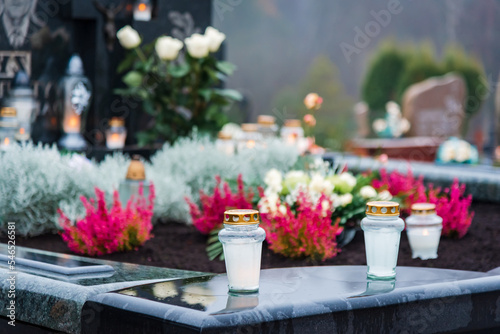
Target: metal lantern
pixel 75 93
pixel 21 98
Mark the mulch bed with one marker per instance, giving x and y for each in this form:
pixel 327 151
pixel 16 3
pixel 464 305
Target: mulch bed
pixel 182 247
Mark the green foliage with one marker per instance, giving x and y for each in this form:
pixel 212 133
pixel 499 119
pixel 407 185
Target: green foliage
pixel 179 95
pixel 472 70
pixel 334 120
pixel 381 80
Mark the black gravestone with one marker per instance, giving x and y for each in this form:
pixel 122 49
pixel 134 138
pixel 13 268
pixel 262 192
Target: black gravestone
pixel 39 36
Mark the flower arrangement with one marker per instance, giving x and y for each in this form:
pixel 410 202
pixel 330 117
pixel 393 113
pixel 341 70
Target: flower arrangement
pixel 457 151
pixel 104 231
pixel 208 219
pixel 451 203
pixel 178 92
pixel 393 125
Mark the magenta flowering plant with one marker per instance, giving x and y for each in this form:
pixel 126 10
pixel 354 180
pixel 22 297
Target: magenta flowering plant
pixel 451 203
pixel 306 231
pixel 208 219
pixel 105 231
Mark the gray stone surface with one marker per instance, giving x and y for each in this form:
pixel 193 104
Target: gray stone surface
pixel 55 301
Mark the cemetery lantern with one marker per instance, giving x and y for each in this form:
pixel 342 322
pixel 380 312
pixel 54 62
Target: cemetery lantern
pixel 382 229
pixel 423 228
pixel 75 94
pixel 21 98
pixel 267 126
pixel 8 127
pixel 242 239
pixel 136 176
pixel 116 134
pixel 224 143
pixel 143 10
pixel 250 137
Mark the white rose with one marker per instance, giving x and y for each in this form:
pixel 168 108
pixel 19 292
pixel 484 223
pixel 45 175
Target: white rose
pixel 197 45
pixel 379 125
pixel 348 178
pixel 345 199
pixel 320 185
pixel 384 195
pixel 463 151
pixel 392 108
pixel 167 48
pixel 273 179
pixel 215 38
pixel 128 37
pixel 368 192
pixel 447 152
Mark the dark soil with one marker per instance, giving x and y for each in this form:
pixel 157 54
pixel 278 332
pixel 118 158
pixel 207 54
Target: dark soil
pixel 183 247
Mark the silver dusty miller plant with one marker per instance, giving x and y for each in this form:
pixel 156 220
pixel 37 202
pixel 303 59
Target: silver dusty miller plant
pixel 37 180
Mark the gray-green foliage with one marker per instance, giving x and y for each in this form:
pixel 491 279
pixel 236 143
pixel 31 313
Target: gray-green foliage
pixel 35 180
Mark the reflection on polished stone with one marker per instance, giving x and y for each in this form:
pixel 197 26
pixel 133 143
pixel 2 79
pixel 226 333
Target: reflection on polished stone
pixel 376 287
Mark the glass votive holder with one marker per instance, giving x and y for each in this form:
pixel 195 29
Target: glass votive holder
pixel 116 134
pixel 423 228
pixel 292 131
pixel 242 239
pixel 267 126
pixel 225 143
pixel 8 127
pixel 382 231
pixel 250 138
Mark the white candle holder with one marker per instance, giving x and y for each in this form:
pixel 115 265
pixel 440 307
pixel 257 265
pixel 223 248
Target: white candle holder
pixel 116 134
pixel 250 138
pixel 423 228
pixel 382 229
pixel 225 143
pixel 242 240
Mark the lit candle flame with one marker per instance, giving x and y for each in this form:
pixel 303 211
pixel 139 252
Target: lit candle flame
pixel 6 141
pixel 251 143
pixel 115 137
pixel 141 7
pixel 21 131
pixel 73 122
pixel 425 232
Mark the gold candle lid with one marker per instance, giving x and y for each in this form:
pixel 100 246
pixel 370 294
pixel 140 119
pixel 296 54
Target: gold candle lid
pixel 136 170
pixel 266 120
pixel 241 217
pixel 224 135
pixel 249 127
pixel 8 112
pixel 382 208
pixel 116 122
pixel 293 123
pixel 423 209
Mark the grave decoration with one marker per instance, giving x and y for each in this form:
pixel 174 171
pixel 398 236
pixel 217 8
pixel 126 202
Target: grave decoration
pixel 424 228
pixel 179 91
pixel 455 150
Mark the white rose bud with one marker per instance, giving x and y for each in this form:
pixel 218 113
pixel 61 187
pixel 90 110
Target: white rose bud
pixel 368 192
pixel 197 45
pixel 215 38
pixel 128 37
pixel 167 48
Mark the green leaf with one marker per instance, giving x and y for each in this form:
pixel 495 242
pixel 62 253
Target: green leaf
pixel 214 247
pixel 127 62
pixel 226 67
pixel 230 94
pixel 206 93
pixel 133 79
pixel 180 70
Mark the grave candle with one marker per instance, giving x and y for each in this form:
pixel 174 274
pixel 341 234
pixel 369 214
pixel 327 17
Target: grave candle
pixel 423 228
pixel 224 143
pixel 251 137
pixel 8 127
pixel 242 239
pixel 116 134
pixel 382 229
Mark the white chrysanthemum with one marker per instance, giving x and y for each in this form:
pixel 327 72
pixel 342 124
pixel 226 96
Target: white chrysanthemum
pixel 273 180
pixel 346 199
pixel 348 178
pixel 318 184
pixel 368 192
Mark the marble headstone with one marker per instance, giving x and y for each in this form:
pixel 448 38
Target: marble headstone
pixel 435 107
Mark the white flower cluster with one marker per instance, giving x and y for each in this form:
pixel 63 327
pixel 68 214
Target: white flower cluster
pixel 457 150
pixel 167 48
pixel 394 124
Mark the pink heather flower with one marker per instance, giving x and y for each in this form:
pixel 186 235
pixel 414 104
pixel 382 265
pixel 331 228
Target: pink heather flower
pixel 104 231
pixel 306 233
pixel 211 214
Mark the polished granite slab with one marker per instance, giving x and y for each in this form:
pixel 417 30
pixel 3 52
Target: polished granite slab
pixel 54 300
pixel 336 299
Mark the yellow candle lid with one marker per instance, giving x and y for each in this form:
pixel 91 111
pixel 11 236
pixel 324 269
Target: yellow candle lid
pixel 382 208
pixel 241 217
pixel 423 209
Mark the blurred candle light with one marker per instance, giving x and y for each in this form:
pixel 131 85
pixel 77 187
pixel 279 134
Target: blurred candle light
pixel 143 10
pixel 116 134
